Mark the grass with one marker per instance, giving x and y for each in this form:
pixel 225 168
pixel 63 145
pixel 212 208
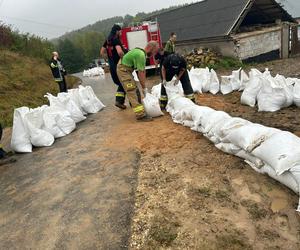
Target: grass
pixel 23 82
pixel 255 211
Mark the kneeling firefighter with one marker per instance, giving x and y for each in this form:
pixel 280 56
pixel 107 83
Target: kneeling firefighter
pixel 175 65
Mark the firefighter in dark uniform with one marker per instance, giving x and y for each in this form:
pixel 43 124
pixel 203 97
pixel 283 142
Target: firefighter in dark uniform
pixel 2 152
pixel 175 65
pixel 114 50
pixel 58 72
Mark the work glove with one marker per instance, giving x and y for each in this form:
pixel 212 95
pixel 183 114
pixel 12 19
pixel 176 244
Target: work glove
pixel 176 81
pixel 164 82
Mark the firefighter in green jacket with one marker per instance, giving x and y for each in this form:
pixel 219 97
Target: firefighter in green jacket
pixel 135 60
pixel 170 45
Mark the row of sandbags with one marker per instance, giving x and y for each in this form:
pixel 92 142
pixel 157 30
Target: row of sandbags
pixel 97 71
pixel 40 126
pixel 271 93
pixel 267 150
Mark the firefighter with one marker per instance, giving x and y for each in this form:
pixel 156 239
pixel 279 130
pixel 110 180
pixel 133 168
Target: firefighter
pixel 58 72
pixel 114 50
pixel 175 65
pixel 170 45
pixel 2 152
pixel 159 59
pixel 136 60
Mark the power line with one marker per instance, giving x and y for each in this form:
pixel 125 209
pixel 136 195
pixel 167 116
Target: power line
pixel 35 22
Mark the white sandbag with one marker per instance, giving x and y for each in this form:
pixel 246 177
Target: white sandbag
pixel 151 105
pixel 178 103
pixel 173 90
pixel 281 151
pixel 228 148
pixel 96 71
pixel 228 125
pixel 214 87
pixel 20 140
pixel 135 76
pixel 251 91
pixel 287 178
pixel 254 73
pixel 250 136
pixel 74 95
pixel 250 159
pixel 156 90
pixel 51 117
pixel 64 119
pixel 34 122
pixel 244 80
pixel 226 86
pixel 272 96
pixel 288 89
pixel 212 119
pixel 295 171
pixel 235 79
pixel 296 93
pixel 90 103
pixel 71 106
pixel 201 79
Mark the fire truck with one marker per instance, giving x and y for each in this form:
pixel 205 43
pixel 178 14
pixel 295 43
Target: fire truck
pixel 137 36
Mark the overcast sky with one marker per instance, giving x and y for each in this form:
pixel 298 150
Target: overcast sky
pixel 51 18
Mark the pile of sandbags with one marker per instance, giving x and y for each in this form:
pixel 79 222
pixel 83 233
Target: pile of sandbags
pixel 204 80
pixel 237 81
pixel 202 57
pixel 97 71
pixel 267 150
pixel 270 93
pixel 40 126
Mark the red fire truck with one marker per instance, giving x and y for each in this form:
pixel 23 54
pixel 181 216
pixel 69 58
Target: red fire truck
pixel 139 35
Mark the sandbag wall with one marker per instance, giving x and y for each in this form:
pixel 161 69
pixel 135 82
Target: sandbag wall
pixel 97 71
pixel 40 127
pixel 269 93
pixel 267 150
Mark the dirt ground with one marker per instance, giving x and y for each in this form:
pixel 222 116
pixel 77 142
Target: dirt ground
pixel 190 195
pixel 117 184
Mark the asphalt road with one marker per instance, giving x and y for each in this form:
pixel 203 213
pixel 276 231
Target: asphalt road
pixel 77 194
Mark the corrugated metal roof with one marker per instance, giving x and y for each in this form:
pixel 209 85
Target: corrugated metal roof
pixel 208 18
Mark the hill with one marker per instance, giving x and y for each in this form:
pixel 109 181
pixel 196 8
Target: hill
pixel 23 82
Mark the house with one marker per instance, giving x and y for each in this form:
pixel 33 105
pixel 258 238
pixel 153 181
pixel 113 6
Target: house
pixel 251 30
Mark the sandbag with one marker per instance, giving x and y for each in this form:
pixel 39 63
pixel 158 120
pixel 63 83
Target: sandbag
pixel 71 106
pixel 228 148
pixel 250 136
pixel 244 80
pixel 287 178
pixel 34 122
pixel 228 125
pixel 251 91
pixel 235 79
pixel 226 86
pixel 20 140
pixel 214 87
pixel 156 90
pixel 296 93
pixel 74 95
pixel 281 151
pixel 212 119
pixel 271 96
pixel 90 102
pixel 250 159
pixel 152 106
pixel 96 71
pixel 196 79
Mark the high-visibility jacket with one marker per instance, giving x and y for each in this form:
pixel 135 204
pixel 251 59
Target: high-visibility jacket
pixel 57 69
